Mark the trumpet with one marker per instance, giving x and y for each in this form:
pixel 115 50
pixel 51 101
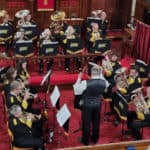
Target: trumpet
pixel 33 117
pixel 139 101
pixel 24 90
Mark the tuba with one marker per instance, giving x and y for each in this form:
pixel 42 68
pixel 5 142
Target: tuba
pixel 57 15
pixel 139 101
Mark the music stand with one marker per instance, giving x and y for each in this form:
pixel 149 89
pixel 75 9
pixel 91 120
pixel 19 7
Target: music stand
pixel 74 46
pixel 91 20
pixel 30 31
pixel 102 46
pixel 5 31
pixel 23 48
pixel 49 48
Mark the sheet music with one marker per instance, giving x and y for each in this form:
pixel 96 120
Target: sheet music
pixel 32 25
pixel 93 18
pixel 45 78
pixel 46 43
pixel 63 115
pixel 55 95
pixel 24 41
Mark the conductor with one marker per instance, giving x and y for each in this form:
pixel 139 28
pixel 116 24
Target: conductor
pixel 92 91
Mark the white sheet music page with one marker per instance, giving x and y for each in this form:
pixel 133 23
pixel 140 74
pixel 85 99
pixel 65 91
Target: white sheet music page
pixel 63 115
pixel 45 78
pixel 55 95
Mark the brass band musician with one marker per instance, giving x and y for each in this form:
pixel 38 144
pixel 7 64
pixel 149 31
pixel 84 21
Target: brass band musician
pixel 46 38
pixel 92 36
pixel 22 129
pixel 70 34
pixel 139 118
pixel 6 30
pixel 27 23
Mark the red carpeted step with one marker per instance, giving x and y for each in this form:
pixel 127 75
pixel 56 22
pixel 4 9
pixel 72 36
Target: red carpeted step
pixel 57 79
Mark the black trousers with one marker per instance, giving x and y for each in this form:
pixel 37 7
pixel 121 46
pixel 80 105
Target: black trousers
pixel 30 142
pixel 135 125
pixel 90 116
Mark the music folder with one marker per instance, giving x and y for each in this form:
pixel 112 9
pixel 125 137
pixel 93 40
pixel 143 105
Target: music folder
pixel 63 115
pixel 23 47
pixel 45 78
pixel 49 48
pixel 55 96
pixel 101 46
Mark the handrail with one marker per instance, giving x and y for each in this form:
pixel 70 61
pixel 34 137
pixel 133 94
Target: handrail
pixel 114 146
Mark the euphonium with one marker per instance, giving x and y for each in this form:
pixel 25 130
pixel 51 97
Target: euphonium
pixel 139 101
pixel 107 64
pixel 120 78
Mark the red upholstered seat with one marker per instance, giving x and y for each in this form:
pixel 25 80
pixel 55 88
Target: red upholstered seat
pixel 57 79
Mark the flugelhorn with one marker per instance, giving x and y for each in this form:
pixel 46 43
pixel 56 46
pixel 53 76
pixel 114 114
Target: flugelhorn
pixel 139 101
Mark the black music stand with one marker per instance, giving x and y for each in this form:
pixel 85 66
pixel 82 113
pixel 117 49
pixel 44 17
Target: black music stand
pixel 23 48
pixel 49 48
pixel 74 46
pixel 30 31
pixel 5 31
pixel 91 20
pixel 102 46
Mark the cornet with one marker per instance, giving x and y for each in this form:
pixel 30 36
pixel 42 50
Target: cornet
pixel 24 90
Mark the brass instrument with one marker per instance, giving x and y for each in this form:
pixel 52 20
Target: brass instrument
pixel 33 117
pixel 120 78
pixel 24 90
pixel 57 15
pixel 107 64
pixel 139 101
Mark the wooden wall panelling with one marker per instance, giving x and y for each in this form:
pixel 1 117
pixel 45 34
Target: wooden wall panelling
pixel 111 7
pixel 97 4
pixel 124 13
